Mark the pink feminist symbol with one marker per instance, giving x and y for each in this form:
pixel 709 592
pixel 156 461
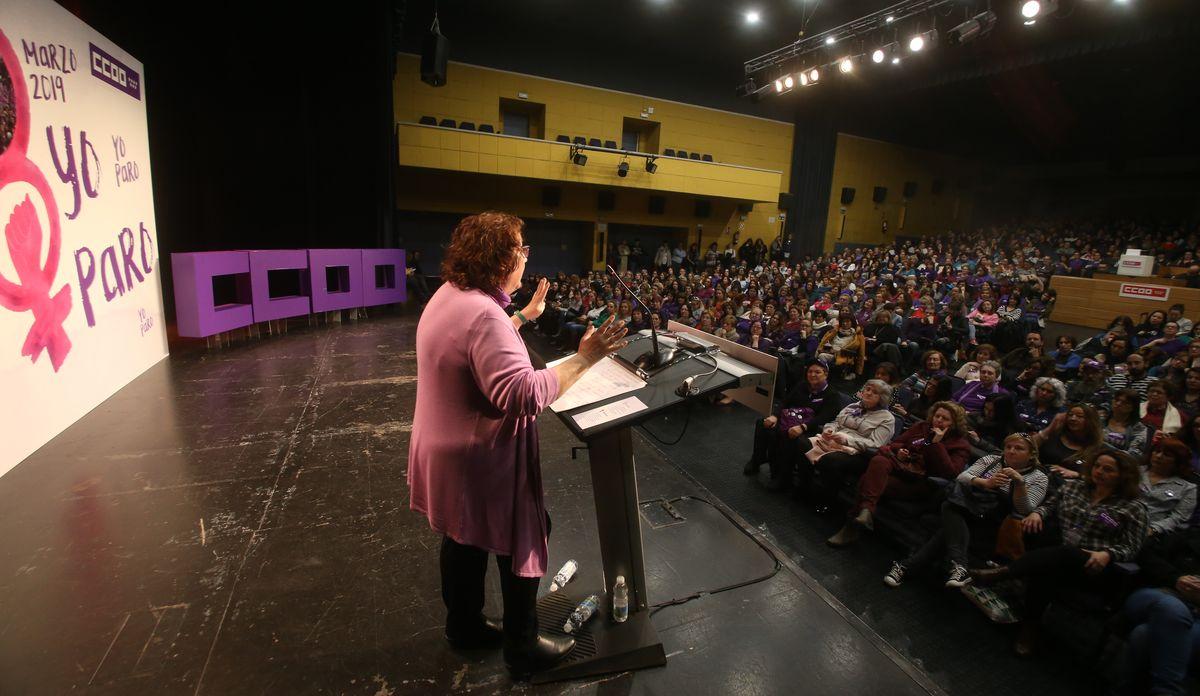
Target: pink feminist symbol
pixel 24 236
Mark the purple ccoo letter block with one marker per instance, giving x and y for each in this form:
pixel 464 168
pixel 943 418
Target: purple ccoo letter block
pixel 383 276
pixel 267 308
pixel 336 277
pixel 196 312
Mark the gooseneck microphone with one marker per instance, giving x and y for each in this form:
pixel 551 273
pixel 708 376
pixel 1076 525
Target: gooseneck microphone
pixel 654 357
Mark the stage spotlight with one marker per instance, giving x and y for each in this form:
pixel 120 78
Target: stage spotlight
pixel 814 75
pixel 651 165
pixel 923 41
pixel 623 169
pixel 890 19
pixel 778 85
pixel 895 60
pixel 788 82
pixel 1033 9
pixel 753 17
pixel 829 41
pixel 878 55
pixel 803 78
pixel 973 28
pixel 579 158
pixel 846 65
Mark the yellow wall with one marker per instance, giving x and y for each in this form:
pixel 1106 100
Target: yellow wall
pixel 473 94
pixel 863 164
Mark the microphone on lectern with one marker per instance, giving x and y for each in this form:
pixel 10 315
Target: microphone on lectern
pixel 654 357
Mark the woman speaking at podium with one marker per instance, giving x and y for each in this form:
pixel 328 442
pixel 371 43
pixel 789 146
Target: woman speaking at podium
pixel 473 467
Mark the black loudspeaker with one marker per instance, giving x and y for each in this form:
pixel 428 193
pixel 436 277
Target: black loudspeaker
pixel 745 208
pixel 880 194
pixel 703 208
pixel 606 200
pixel 847 195
pixel 936 187
pixel 785 201
pixel 551 196
pixel 435 52
pixel 910 189
pixel 658 205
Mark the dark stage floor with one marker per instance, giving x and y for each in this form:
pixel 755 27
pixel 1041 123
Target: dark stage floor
pixel 236 522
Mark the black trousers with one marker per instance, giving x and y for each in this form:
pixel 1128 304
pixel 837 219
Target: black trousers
pixel 1052 569
pixel 773 445
pixel 464 569
pixel 954 538
pixel 836 468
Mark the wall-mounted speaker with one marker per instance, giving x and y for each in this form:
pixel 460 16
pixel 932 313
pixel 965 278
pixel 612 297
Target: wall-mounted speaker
pixel 745 208
pixel 435 52
pixel 606 200
pixel 657 206
pixel 703 208
pixel 880 194
pixel 910 189
pixel 847 195
pixel 785 201
pixel 551 196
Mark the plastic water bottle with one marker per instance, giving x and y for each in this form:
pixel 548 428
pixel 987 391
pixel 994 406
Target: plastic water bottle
pixel 582 613
pixel 620 599
pixel 564 575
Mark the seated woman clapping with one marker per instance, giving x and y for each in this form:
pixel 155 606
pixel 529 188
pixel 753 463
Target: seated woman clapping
pixel 859 431
pixel 995 486
pixel 936 447
pixel 1102 522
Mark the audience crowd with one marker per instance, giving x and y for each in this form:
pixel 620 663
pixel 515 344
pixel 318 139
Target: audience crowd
pixel 1043 466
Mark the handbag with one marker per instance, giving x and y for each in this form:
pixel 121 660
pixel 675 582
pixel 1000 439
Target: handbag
pixel 979 503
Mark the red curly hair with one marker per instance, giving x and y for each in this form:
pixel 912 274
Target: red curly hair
pixel 483 251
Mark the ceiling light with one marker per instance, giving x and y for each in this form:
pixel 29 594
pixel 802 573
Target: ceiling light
pixel 878 55
pixel 623 169
pixel 778 86
pixel 916 44
pixel 803 78
pixel 846 65
pixel 1030 22
pixel 814 75
pixel 752 17
pixel 895 60
pixel 788 82
pixel 922 41
pixel 973 28
pixel 890 19
pixel 1032 9
pixel 829 40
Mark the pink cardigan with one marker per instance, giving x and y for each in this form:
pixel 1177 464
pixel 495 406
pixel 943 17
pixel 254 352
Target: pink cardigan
pixel 473 466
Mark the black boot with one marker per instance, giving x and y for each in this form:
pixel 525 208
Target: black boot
pixel 544 651
pixel 487 633
pixel 751 467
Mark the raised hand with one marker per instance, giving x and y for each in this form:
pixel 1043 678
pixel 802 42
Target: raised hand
pixel 599 342
pixel 537 305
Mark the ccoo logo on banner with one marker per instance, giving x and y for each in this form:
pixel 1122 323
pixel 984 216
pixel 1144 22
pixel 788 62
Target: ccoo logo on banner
pixel 1137 291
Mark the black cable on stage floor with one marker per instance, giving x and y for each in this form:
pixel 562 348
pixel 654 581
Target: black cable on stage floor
pixel 687 419
pixel 655 608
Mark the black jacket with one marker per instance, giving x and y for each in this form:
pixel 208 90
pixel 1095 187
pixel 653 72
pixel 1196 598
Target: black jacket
pixel 825 404
pixel 1164 559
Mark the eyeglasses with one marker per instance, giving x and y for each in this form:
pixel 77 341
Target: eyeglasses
pixel 524 251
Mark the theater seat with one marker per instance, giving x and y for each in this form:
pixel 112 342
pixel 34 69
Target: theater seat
pixel 448 123
pixel 562 139
pixel 428 121
pixel 466 125
pixel 486 128
pixel 594 142
pixel 610 144
pixel 695 155
pixel 682 154
pixel 668 152
pixel 580 140
pixel 707 158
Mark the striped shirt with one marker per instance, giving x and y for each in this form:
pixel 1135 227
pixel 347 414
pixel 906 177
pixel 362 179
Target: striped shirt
pixel 1036 482
pixel 1124 381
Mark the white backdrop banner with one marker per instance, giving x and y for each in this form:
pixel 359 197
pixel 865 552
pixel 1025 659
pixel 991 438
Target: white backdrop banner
pixel 80 293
